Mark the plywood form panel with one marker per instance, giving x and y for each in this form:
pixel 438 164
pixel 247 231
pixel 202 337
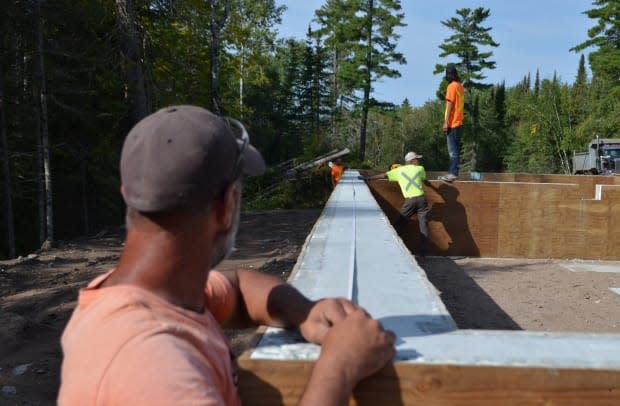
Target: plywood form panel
pixel 531 223
pixel 271 382
pixel 530 220
pixel 601 224
pixel 463 218
pixel 612 195
pixel 591 229
pixel 586 183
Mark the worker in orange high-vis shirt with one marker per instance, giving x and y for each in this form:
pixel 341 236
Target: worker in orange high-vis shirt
pixel 337 171
pixel 453 121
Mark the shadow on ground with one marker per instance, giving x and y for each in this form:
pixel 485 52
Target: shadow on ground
pixel 469 305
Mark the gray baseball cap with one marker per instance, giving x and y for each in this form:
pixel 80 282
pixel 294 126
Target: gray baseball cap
pixel 182 156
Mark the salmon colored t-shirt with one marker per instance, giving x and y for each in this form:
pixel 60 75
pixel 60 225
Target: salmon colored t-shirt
pixel 455 93
pixel 127 346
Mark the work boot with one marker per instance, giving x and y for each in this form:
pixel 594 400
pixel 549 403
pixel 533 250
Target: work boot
pixel 448 178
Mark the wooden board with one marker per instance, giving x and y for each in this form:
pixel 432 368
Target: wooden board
pixel 270 382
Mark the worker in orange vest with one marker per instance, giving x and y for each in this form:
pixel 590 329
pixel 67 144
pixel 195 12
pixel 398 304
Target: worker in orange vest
pixel 337 171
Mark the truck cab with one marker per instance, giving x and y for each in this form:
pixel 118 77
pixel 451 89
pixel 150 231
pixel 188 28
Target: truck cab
pixel 602 157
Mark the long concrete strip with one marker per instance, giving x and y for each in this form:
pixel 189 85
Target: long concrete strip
pixel 394 288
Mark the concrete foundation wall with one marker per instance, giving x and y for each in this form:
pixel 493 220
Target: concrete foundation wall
pixel 557 217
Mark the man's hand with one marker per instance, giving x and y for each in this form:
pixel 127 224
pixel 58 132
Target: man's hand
pixel 322 316
pixel 354 348
pixel 359 345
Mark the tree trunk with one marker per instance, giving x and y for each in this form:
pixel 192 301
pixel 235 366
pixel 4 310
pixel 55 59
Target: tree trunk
pixel 241 73
pixel 84 177
pixel 216 27
pixel 44 134
pixel 6 173
pixel 367 80
pixel 132 55
pixel 36 95
pixel 335 91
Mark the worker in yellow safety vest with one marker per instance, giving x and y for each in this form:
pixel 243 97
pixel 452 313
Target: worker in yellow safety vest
pixel 411 178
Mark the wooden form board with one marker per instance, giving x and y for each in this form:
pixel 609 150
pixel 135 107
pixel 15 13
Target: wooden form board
pixel 586 183
pixel 436 363
pixel 515 219
pixel 272 382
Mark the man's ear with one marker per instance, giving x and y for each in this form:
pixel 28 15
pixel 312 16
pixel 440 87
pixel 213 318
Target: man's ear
pixel 226 208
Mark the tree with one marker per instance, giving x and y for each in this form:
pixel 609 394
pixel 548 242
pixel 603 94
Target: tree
pixel 603 117
pixel 132 60
pixel 43 135
pixel 605 37
pixel 375 52
pixel 251 38
pixel 314 90
pixel 334 19
pixel 366 29
pixel 469 35
pixel 6 171
pixel 579 93
pixel 218 19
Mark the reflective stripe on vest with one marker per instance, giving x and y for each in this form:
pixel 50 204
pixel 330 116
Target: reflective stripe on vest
pixel 412 181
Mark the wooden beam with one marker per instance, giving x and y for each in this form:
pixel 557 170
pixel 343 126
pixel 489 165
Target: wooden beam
pixel 272 382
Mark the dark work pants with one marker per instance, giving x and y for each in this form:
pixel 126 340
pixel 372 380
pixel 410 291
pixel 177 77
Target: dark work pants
pixel 415 205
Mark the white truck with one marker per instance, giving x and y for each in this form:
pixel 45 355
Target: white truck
pixel 602 157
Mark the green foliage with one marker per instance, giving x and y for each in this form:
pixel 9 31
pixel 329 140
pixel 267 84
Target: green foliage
pixel 605 37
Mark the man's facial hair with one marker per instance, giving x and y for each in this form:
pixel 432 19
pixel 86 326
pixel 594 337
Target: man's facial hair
pixel 225 243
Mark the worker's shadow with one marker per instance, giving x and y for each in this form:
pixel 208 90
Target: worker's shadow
pixel 455 239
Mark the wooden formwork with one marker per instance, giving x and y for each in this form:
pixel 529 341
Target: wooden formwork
pixel 271 382
pixel 516 218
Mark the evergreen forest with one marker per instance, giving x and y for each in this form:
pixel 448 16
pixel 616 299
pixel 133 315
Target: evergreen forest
pixel 76 75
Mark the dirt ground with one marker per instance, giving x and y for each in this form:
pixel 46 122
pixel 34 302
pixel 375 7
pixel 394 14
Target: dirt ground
pixel 38 292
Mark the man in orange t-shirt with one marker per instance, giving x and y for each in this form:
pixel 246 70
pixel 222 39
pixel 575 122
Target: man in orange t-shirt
pixel 149 331
pixel 453 121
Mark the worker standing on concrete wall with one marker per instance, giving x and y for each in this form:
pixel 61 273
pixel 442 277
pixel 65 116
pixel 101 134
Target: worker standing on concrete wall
pixel 411 178
pixel 453 121
pixel 148 331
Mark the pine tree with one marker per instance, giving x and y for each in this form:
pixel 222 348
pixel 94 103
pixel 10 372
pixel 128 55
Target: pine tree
pixel 605 37
pixel 469 35
pixel 366 29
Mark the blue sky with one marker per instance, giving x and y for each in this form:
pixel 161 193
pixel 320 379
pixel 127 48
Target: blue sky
pixel 533 34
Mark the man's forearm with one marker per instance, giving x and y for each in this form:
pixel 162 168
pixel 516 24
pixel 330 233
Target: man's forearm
pixel 447 112
pixel 377 176
pixel 327 386
pixel 266 300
